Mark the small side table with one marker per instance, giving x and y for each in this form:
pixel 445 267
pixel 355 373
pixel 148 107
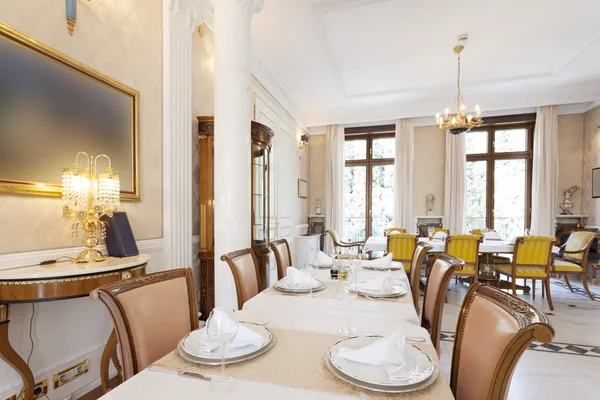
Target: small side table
pixel 63 280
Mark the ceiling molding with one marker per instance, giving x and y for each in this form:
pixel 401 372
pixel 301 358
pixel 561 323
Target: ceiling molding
pixel 196 12
pixel 262 73
pixel 591 106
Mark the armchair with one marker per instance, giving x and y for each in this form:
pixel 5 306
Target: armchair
pixel 338 243
pixel 575 257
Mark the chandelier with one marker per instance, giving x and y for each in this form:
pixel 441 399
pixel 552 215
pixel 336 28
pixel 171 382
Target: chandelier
pixel 461 121
pixel 87 196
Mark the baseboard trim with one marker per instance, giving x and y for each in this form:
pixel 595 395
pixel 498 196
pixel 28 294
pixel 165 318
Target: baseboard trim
pixel 15 260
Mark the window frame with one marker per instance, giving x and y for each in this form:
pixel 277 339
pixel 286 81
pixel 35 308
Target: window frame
pixel 369 133
pixel 491 125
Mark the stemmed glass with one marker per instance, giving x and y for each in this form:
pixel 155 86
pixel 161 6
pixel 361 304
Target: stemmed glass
pixel 311 270
pixel 345 294
pixel 430 230
pixel 222 328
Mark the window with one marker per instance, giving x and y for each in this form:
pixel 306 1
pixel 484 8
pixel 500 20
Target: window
pixel 368 181
pixel 498 175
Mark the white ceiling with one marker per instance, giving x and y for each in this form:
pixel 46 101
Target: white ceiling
pixel 349 61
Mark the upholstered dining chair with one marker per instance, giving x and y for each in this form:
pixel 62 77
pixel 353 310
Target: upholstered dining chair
pixel 488 315
pixel 575 257
pixel 441 270
pixel 339 243
pixel 402 246
pixel 532 256
pixel 244 267
pixel 414 278
pixel 151 314
pixel 466 248
pixel 283 256
pixel 396 230
pixel 436 230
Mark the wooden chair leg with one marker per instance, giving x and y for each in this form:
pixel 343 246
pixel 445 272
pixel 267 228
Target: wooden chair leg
pixel 547 283
pixel 543 290
pixel 569 283
pixel 585 285
pixel 594 281
pixel 533 287
pixel 513 281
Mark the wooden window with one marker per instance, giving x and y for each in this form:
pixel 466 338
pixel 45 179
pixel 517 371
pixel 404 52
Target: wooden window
pixel 368 181
pixel 498 174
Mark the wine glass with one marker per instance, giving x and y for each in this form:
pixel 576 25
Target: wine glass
pixel 311 270
pixel 345 294
pixel 430 230
pixel 222 328
pixel 527 232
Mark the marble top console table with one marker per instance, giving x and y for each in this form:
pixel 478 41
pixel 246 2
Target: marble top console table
pixel 62 280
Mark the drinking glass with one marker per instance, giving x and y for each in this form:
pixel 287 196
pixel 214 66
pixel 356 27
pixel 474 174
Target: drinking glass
pixel 430 230
pixel 345 294
pixel 527 232
pixel 311 270
pixel 222 328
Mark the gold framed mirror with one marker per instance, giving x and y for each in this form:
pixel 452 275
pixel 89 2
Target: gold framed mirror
pixel 51 107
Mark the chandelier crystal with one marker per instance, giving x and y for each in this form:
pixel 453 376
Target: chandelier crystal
pixel 461 121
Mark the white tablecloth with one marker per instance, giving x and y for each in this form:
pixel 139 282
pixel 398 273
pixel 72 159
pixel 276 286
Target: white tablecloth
pixel 379 243
pixel 324 315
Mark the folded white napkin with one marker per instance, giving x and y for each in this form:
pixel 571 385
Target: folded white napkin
pixel 491 235
pixel 387 352
pixel 394 232
pixel 440 235
pixel 245 337
pixel 379 284
pixel 297 278
pixel 324 259
pixel 382 262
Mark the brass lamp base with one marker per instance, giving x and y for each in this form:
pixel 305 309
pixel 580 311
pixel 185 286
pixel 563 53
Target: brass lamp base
pixel 89 256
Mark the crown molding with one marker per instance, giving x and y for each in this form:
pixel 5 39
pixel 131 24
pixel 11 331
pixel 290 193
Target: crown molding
pixel 196 12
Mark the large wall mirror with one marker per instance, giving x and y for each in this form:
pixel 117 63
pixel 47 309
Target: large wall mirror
pixel 52 107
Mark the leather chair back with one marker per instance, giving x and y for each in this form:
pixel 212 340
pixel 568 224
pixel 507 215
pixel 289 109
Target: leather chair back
pixel 151 314
pixel 441 270
pixel 283 256
pixel 244 268
pixel 493 330
pixel 415 271
pixel 402 246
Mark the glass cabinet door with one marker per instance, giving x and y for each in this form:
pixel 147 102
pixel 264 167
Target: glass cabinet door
pixel 259 195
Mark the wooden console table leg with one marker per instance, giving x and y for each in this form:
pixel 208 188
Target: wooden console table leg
pixel 109 353
pixel 8 354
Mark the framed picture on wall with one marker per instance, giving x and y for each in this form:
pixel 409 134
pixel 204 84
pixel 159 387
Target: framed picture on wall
pixel 596 183
pixel 302 189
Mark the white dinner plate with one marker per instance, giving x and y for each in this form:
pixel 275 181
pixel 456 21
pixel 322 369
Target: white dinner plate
pixel 394 266
pixel 418 366
pixel 190 345
pixel 283 286
pixel 395 291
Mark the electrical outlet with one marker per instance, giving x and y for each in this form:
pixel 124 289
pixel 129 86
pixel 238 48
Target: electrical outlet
pixel 67 375
pixel 39 390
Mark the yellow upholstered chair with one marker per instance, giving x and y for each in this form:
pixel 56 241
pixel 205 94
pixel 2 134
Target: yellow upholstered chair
pixel 532 257
pixel 477 232
pixel 388 230
pixel 436 230
pixel 576 251
pixel 402 247
pixel 466 248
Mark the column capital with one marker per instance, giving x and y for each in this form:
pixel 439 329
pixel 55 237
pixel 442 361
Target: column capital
pixel 196 12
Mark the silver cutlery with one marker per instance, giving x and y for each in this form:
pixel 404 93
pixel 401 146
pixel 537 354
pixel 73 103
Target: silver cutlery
pixel 415 339
pixel 180 372
pixel 255 323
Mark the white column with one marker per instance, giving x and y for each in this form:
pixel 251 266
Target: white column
pixel 180 18
pixel 232 20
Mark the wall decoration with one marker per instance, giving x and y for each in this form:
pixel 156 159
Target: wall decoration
pixel 595 183
pixel 51 107
pixel 302 189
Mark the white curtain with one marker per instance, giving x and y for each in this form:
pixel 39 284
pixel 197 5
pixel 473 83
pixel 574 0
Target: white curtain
pixel 403 174
pixel 545 172
pixel 455 190
pixel 334 179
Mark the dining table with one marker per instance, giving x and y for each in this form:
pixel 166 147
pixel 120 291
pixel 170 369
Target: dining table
pixel 379 243
pixel 304 328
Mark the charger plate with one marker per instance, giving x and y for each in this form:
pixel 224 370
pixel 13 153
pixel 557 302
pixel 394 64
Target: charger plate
pixel 394 266
pixel 396 291
pixel 189 347
pixel 421 370
pixel 283 287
